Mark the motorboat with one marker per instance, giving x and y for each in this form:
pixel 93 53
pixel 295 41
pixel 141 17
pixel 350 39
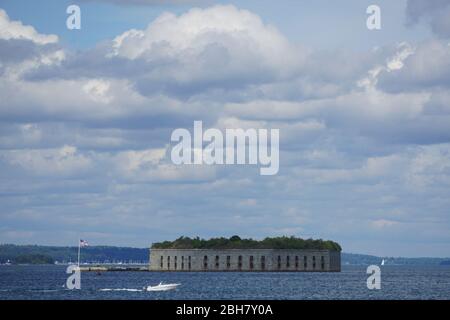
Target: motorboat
pixel 163 287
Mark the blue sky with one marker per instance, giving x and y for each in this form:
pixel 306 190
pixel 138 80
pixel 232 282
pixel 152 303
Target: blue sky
pixel 86 117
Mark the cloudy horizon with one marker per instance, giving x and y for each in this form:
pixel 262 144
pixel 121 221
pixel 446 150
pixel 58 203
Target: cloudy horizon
pixel 364 118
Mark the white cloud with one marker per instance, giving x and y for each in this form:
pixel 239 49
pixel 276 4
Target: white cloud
pixel 64 161
pixel 365 110
pixel 86 132
pixel 152 166
pixel 427 67
pixel 374 168
pixel 395 62
pixel 137 160
pixel 208 47
pixel 240 32
pixel 16 30
pixel 23 49
pixel 98 90
pixel 415 169
pixel 430 167
pixel 86 99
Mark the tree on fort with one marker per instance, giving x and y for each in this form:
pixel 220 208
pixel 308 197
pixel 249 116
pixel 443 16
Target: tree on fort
pixel 235 242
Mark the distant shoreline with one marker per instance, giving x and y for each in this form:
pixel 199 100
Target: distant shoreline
pixel 113 255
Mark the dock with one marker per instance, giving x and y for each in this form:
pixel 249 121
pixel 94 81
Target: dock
pixel 112 268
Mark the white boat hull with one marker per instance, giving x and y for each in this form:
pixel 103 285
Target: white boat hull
pixel 163 287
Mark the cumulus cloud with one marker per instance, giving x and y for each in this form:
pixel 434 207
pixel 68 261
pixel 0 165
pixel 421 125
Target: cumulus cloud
pixel 22 48
pixel 363 135
pixel 202 50
pixel 16 30
pixel 240 34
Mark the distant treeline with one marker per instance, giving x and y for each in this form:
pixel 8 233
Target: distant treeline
pixel 33 259
pixel 235 242
pixel 364 259
pixel 34 254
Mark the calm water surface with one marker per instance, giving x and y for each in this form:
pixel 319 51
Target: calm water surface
pixel 398 282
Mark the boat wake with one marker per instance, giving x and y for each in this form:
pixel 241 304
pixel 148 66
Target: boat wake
pixel 121 289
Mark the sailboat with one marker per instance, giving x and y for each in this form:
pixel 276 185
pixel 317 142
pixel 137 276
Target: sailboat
pixel 382 262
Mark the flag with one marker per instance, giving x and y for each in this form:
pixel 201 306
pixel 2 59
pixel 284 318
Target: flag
pixel 83 243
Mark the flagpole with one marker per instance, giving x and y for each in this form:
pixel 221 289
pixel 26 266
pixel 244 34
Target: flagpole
pixel 79 245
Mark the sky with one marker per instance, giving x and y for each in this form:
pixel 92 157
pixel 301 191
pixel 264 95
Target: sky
pixel 364 116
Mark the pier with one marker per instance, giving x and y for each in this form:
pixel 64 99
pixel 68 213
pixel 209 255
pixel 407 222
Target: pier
pixel 112 268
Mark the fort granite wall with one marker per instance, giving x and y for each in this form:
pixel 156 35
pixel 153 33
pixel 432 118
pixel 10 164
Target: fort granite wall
pixel 245 260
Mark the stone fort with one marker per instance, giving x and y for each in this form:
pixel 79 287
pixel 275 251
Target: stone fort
pixel 182 255
pixel 244 260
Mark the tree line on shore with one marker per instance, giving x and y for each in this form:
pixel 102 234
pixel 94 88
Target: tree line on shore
pixel 36 254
